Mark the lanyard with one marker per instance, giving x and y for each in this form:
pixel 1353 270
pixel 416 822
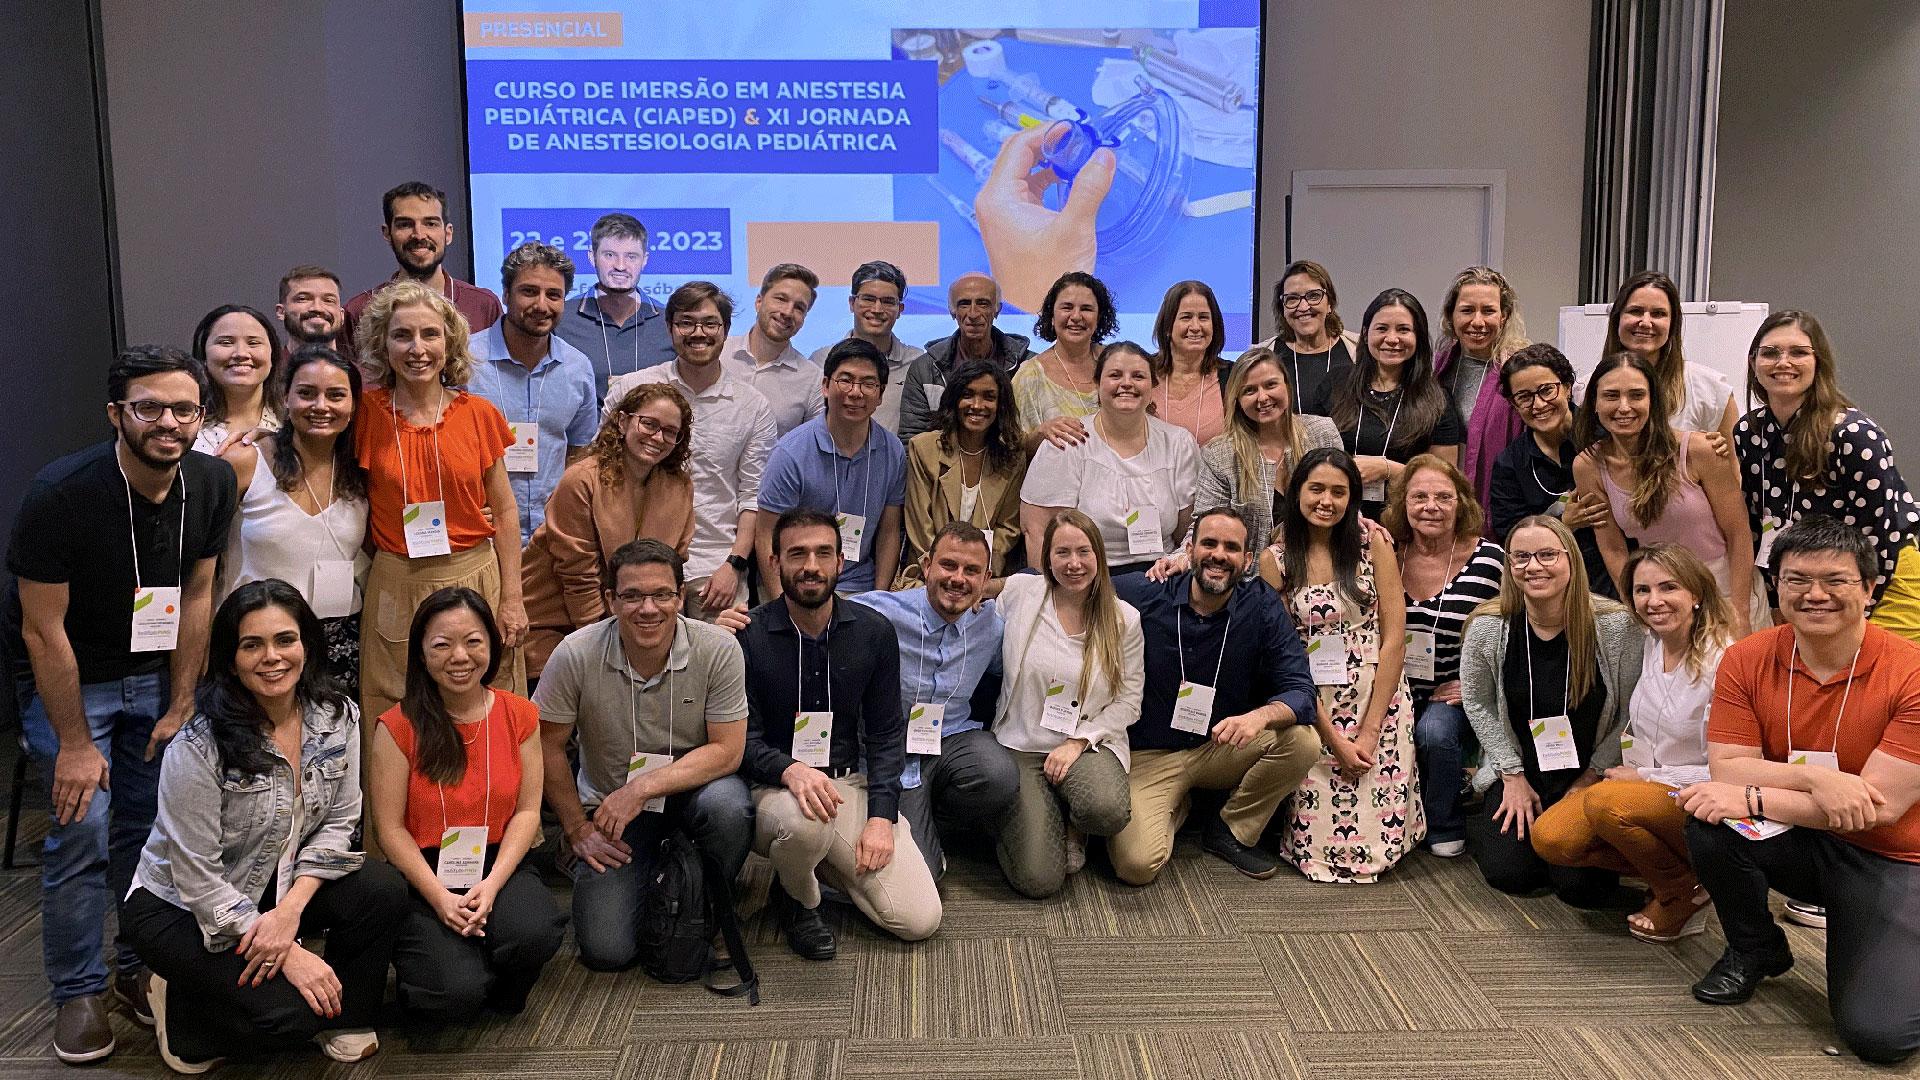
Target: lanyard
pixel 1399 398
pixel 486 796
pixel 401 453
pixel 606 343
pixel 1328 373
pixel 866 482
pixel 1533 468
pixel 1793 484
pixel 800 664
pixel 1180 643
pixel 331 499
pixel 919 660
pixel 1844 695
pixel 1566 674
pixel 179 560
pixel 1439 599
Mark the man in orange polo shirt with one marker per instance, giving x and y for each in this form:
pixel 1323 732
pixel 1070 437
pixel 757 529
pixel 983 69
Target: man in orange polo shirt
pixel 1814 744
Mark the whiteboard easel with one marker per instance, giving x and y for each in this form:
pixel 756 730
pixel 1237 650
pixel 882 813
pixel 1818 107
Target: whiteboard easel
pixel 1715 333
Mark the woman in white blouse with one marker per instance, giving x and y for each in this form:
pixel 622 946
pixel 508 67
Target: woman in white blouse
pixel 1134 476
pixel 1645 321
pixel 1073 658
pixel 1630 822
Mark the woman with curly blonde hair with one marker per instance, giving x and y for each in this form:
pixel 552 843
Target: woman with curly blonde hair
pixel 435 459
pixel 632 483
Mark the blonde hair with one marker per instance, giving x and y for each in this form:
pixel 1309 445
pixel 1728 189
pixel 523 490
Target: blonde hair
pixel 1102 606
pixel 1513 332
pixel 1244 435
pixel 1466 512
pixel 1583 609
pixel 1712 629
pixel 370 339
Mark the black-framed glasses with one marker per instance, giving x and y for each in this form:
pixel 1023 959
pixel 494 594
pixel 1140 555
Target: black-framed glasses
pixel 1546 395
pixel 651 427
pixel 688 326
pixel 885 303
pixel 1799 583
pixel 1546 558
pixel 848 382
pixel 660 598
pixel 1302 299
pixel 149 411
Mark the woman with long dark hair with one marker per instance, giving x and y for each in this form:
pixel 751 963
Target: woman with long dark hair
pixel 252 849
pixel 1189 333
pixel 1358 812
pixel 455 782
pixel 1390 407
pixel 241 350
pixel 1645 320
pixel 969 467
pixel 1534 474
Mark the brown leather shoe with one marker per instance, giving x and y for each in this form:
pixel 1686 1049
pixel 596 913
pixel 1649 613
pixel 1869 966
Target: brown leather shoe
pixel 131 991
pixel 81 1032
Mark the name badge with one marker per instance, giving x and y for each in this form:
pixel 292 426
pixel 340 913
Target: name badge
pixel 1193 708
pixel 1558 507
pixel 1327 658
pixel 1553 743
pixel 424 524
pixel 1373 491
pixel 923 727
pixel 640 762
pixel 1059 714
pixel 1143 531
pixel 813 738
pixel 853 530
pixel 156 619
pixel 332 588
pixel 1819 759
pixel 1769 532
pixel 1626 740
pixel 1421 655
pixel 524 454
pixel 1755 830
pixel 463 856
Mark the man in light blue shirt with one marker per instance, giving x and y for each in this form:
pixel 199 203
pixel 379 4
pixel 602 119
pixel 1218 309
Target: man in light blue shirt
pixel 845 464
pixel 949 640
pixel 541 384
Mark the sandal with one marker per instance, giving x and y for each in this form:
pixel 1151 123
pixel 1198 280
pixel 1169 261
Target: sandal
pixel 1661 922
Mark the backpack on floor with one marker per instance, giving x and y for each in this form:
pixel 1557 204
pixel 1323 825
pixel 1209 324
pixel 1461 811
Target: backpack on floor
pixel 687 898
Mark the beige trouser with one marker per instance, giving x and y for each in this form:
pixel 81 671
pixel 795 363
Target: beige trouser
pixel 396 586
pixel 900 897
pixel 1258 774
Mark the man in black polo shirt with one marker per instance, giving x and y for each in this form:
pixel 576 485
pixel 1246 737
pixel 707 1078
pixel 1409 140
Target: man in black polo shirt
pixel 1228 705
pixel 826 743
pixel 106 621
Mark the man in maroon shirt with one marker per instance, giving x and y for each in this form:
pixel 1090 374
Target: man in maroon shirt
pixel 419 233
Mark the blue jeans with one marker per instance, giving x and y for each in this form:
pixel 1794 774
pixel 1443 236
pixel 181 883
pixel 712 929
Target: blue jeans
pixel 1441 735
pixel 717 817
pixel 87 866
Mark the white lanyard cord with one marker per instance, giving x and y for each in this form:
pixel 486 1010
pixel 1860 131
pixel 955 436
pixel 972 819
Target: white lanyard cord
pixel 1399 398
pixel 321 516
pixel 133 542
pixel 800 664
pixel 1439 599
pixel 919 662
pixel 606 344
pixel 1180 643
pixel 1793 490
pixel 866 481
pixel 1566 676
pixel 486 795
pixel 400 451
pixel 1844 695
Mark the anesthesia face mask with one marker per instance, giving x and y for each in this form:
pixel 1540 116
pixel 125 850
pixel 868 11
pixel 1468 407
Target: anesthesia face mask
pixel 1150 141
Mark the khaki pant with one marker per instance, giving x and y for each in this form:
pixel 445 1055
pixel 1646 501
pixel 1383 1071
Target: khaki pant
pixel 1259 775
pixel 900 897
pixel 1628 826
pixel 396 586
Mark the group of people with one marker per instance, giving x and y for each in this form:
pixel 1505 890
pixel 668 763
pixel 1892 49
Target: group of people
pixel 841 610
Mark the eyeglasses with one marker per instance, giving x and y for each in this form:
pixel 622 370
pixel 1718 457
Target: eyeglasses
pixel 1799 583
pixel 1302 299
pixel 848 382
pixel 651 427
pixel 662 598
pixel 688 326
pixel 1546 558
pixel 1772 353
pixel 1546 395
pixel 148 411
pixel 1437 498
pixel 885 303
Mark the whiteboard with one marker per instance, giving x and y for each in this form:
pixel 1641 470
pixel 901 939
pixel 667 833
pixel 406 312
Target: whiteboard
pixel 1716 333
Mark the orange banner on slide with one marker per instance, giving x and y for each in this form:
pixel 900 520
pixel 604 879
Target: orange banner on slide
pixel 543 29
pixel 834 249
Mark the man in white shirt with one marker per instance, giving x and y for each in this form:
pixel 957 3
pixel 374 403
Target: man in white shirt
pixel 764 356
pixel 879 290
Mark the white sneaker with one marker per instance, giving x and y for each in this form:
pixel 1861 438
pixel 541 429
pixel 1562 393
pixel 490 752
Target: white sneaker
pixel 1448 849
pixel 1076 851
pixel 1807 914
pixel 348 1046
pixel 157 1000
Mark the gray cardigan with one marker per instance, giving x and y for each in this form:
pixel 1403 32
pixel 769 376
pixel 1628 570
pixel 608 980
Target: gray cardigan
pixel 1483 656
pixel 1219 480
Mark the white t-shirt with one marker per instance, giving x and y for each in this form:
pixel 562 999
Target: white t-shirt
pixel 1707 394
pixel 1098 482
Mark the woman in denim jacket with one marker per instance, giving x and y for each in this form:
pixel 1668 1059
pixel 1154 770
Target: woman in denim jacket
pixel 252 848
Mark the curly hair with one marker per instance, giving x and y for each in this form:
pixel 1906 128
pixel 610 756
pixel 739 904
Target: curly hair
pixel 1003 441
pixel 1108 319
pixel 609 447
pixel 370 338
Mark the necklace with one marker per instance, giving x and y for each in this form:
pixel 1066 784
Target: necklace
pixel 1073 384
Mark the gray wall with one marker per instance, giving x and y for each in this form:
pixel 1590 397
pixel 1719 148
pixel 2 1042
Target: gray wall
pixel 251 135
pixel 1815 205
pixel 1440 84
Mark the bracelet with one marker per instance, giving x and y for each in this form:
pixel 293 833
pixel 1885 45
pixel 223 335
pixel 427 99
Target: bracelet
pixel 1749 793
pixel 1760 802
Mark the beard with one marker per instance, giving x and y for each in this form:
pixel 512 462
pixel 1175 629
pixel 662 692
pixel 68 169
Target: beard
pixel 793 584
pixel 300 335
pixel 405 258
pixel 137 445
pixel 1207 585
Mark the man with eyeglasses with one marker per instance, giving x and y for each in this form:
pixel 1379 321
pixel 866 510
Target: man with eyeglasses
pixel 733 434
pixel 658 701
pixel 106 621
pixel 879 291
pixel 1814 747
pixel 974 302
pixel 765 357
pixel 616 325
pixel 845 465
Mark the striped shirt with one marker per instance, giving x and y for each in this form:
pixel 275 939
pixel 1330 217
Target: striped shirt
pixel 1445 614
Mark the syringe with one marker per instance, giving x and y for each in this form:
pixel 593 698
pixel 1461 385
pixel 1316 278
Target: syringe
pixel 980 164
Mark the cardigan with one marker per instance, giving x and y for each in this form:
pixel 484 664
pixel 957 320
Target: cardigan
pixel 1219 481
pixel 1483 656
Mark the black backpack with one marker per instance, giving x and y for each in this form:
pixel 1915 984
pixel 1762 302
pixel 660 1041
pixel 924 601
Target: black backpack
pixel 687 898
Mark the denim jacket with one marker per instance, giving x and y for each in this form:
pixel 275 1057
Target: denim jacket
pixel 218 836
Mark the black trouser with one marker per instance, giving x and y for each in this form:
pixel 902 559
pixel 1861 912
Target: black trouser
pixel 1510 864
pixel 445 977
pixel 208 1016
pixel 971 783
pixel 1873 923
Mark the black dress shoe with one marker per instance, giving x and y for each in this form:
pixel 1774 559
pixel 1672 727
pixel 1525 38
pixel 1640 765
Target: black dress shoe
pixel 1735 978
pixel 1219 840
pixel 808 934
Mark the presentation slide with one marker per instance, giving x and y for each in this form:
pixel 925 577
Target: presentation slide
pixel 1024 138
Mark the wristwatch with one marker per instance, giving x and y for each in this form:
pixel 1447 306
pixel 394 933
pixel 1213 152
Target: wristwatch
pixel 738 562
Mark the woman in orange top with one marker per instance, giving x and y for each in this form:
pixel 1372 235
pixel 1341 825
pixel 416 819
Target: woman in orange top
pixel 435 458
pixel 452 763
pixel 631 483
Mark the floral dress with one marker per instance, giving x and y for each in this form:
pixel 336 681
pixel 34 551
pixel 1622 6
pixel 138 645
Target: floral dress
pixel 1338 830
